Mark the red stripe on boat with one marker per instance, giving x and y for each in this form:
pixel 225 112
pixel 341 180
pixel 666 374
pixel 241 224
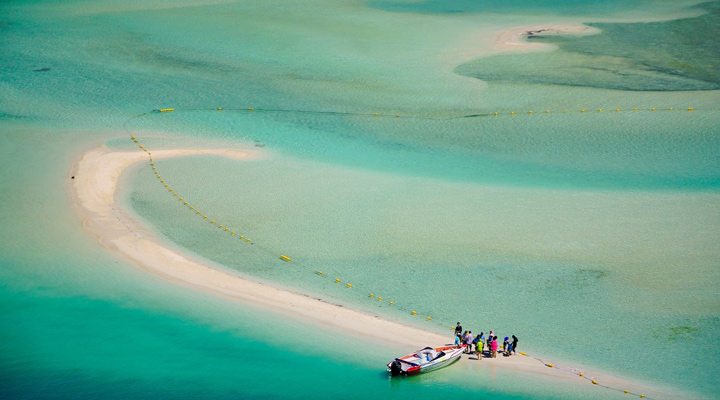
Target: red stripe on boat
pixel 413 370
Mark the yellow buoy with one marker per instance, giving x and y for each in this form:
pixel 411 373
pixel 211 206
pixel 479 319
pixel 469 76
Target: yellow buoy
pixel 371 295
pixel 379 298
pixel 167 109
pixel 348 285
pixel 691 109
pixel 548 365
pixel 285 258
pixel 594 382
pixel 429 318
pixel 522 353
pixel 413 313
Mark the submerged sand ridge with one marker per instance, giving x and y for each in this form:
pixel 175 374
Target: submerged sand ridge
pixel 95 183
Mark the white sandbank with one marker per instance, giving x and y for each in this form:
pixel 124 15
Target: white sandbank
pixel 96 178
pixel 517 39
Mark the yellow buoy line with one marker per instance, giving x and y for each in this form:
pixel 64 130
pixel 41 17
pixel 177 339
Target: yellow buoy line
pixel 372 295
pixel 578 372
pixel 386 114
pixel 232 232
pixel 244 238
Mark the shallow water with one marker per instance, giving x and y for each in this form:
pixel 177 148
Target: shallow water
pixel 586 233
pixel 652 56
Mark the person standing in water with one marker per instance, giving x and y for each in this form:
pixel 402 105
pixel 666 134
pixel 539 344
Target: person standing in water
pixel 458 333
pixel 514 343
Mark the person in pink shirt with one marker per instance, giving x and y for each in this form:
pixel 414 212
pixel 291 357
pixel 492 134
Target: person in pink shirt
pixel 494 347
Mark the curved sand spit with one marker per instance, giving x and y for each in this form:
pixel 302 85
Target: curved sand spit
pixel 97 174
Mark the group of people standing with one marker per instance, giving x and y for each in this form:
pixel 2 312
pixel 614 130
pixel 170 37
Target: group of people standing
pixel 484 346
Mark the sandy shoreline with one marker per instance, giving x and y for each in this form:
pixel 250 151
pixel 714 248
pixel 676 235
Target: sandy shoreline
pixel 520 38
pixel 94 188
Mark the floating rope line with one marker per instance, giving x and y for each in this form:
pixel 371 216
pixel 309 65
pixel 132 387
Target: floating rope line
pixel 372 295
pixel 181 199
pixel 244 238
pixel 593 380
pixel 385 114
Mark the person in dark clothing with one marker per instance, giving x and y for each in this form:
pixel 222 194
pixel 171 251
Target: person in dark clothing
pixel 514 343
pixel 458 331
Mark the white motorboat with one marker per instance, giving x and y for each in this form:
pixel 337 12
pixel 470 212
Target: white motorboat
pixel 425 360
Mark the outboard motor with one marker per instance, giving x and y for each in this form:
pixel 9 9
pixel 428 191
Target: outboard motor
pixel 395 368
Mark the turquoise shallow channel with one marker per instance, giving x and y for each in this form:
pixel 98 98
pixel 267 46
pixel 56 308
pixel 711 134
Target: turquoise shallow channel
pixel 570 196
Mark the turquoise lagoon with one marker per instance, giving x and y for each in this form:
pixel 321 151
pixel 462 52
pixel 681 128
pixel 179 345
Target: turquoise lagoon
pixel 590 235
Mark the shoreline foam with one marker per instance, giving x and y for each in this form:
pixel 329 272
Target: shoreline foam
pixel 96 178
